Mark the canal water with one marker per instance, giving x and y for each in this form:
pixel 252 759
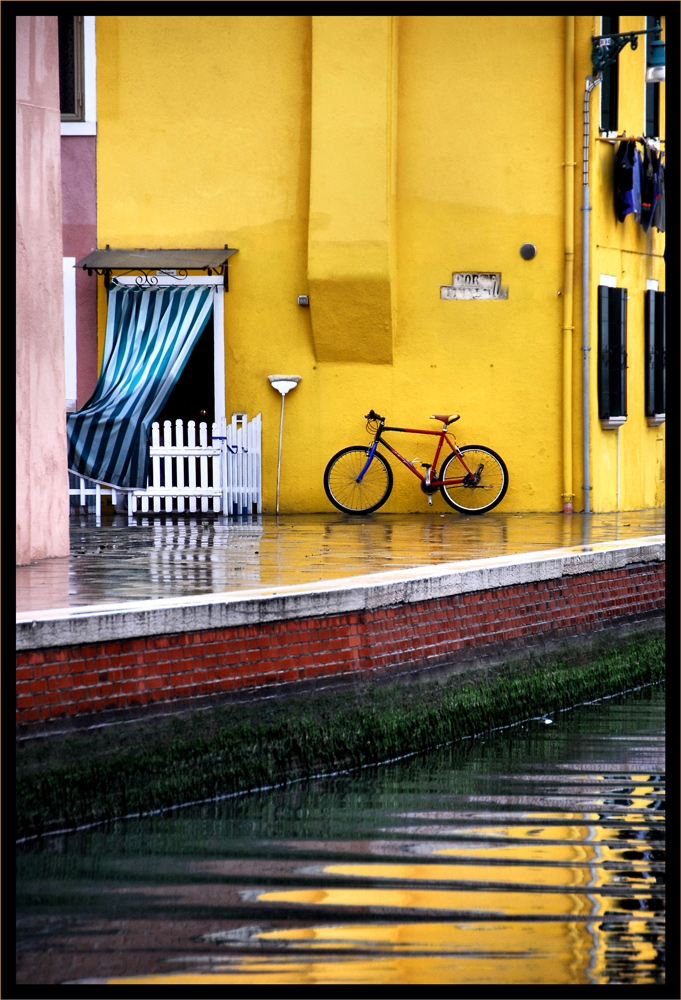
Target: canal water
pixel 534 855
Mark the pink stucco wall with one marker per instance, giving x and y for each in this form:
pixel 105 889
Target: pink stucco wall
pixel 79 209
pixel 42 519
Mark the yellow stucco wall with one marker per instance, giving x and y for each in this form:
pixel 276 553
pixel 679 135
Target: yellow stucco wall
pixel 361 160
pixel 629 460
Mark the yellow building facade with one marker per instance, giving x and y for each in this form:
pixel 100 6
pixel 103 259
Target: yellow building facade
pixel 363 162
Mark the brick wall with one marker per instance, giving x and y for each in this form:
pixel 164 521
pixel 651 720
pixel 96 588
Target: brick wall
pixel 117 678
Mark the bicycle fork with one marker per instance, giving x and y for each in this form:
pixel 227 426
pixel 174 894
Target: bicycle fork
pixel 372 449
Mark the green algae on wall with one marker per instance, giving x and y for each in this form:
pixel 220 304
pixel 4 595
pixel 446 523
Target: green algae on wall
pixel 97 776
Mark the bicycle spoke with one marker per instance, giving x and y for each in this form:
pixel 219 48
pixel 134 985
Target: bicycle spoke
pixel 346 492
pixel 475 497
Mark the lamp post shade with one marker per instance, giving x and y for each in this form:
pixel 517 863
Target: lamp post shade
pixel 283 384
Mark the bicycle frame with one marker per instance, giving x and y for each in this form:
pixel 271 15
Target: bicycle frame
pixel 442 435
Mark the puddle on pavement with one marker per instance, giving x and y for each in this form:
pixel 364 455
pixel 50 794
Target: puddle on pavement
pixel 534 855
pixel 164 556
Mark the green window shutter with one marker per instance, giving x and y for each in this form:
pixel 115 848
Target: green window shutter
pixel 603 353
pixel 610 80
pixel 71 68
pixel 655 357
pixel 612 352
pixel 660 353
pixel 650 356
pixel 652 93
pixel 619 391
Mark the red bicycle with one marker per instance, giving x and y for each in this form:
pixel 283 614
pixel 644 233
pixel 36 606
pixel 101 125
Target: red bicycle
pixel 472 479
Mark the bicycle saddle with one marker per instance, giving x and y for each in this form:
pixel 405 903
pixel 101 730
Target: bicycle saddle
pixel 445 418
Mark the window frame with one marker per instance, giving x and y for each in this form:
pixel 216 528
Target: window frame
pixel 219 380
pixel 651 109
pixel 609 106
pixel 70 338
pixel 612 355
pixel 75 70
pixel 655 357
pixel 87 124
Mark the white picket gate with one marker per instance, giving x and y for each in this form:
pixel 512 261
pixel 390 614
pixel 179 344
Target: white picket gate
pixel 86 494
pixel 223 476
pixel 242 466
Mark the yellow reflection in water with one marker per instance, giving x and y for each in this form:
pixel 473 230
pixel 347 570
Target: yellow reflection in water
pixel 565 853
pixel 496 937
pixel 462 953
pixel 507 874
pixel 475 952
pixel 542 833
pixel 493 951
pixel 475 901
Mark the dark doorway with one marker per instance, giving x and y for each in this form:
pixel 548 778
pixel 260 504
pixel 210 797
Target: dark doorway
pixel 193 398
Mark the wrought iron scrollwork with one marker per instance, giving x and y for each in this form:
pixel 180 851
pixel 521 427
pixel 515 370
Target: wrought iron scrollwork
pixel 606 48
pixel 150 279
pixel 147 279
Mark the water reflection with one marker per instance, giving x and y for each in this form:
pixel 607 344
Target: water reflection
pixel 167 556
pixel 535 855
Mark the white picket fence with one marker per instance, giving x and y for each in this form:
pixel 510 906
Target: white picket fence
pixel 190 476
pixel 242 474
pixel 89 494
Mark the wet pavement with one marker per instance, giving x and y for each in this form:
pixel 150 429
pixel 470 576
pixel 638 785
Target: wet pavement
pixel 147 558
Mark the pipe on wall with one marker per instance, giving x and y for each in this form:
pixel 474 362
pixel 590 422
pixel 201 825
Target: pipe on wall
pixel 586 298
pixel 569 261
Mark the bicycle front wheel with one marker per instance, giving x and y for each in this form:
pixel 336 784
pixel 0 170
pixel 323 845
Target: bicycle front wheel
pixel 486 487
pixel 351 496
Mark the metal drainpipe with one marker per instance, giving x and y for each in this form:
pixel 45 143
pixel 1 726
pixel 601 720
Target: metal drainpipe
pixel 569 262
pixel 618 468
pixel 586 298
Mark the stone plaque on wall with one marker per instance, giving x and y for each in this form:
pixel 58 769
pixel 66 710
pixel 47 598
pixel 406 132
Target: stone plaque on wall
pixel 474 285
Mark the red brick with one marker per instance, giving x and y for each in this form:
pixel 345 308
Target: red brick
pixel 264 656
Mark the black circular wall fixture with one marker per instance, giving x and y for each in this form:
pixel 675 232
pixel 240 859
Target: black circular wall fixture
pixel 528 251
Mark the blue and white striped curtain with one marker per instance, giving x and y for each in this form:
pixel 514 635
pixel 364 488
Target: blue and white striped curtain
pixel 150 333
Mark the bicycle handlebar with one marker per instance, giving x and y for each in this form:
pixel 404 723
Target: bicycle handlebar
pixel 371 415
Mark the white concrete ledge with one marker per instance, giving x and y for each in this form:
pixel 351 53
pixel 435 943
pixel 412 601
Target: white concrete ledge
pixel 135 619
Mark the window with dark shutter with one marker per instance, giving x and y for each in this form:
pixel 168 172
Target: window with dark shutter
pixel 612 355
pixel 71 69
pixel 610 80
pixel 655 357
pixel 652 97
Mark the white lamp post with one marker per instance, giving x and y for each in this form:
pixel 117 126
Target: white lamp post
pixel 283 384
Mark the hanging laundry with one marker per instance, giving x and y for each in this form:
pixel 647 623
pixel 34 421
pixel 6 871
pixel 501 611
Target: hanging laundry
pixel 627 181
pixel 659 210
pixel 649 185
pixel 637 172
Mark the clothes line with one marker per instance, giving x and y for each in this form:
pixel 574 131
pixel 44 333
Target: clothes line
pixel 646 140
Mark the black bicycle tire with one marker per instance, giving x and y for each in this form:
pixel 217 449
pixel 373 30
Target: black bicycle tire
pixel 337 500
pixel 474 510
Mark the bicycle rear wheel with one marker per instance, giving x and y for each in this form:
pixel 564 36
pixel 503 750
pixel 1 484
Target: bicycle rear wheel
pixel 475 497
pixel 342 488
